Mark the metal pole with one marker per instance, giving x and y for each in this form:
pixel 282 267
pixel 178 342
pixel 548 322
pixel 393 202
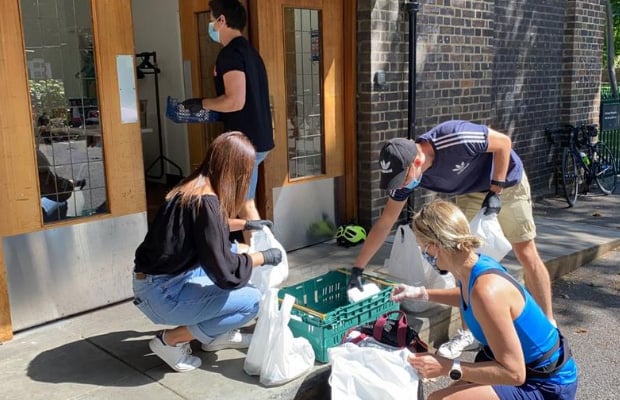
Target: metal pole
pixel 412 10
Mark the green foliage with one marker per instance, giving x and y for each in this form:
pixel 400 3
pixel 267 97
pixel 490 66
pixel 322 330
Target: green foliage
pixel 47 95
pixel 615 6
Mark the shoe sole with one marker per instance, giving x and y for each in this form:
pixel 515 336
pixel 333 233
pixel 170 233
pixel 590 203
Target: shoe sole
pixel 471 347
pixel 224 346
pixel 151 346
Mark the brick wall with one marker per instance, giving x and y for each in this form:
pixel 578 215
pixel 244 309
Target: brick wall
pixel 517 66
pixel 546 73
pixel 382 111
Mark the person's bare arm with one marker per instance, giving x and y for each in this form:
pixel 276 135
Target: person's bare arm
pixel 500 145
pixel 233 98
pixel 236 224
pixel 496 303
pixel 451 296
pixel 257 259
pixel 494 309
pixel 379 231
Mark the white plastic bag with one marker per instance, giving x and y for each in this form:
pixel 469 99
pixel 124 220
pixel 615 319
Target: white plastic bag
pixel 407 265
pixel 368 373
pixel 262 331
pixel 75 203
pixel 286 357
pixel 487 227
pixel 267 276
pixel 406 262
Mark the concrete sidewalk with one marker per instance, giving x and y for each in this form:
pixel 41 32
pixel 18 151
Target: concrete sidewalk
pixel 104 354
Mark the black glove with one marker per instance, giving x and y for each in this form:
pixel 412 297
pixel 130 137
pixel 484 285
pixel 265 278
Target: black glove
pixel 193 105
pixel 257 224
pixel 492 203
pixel 355 281
pixel 272 256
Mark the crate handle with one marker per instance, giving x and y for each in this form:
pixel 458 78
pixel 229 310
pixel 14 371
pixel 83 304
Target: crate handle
pixel 308 310
pixel 370 278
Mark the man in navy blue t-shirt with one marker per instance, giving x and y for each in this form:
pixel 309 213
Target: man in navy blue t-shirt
pixel 479 166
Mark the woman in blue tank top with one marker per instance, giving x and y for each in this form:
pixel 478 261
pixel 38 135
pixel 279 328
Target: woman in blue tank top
pixel 524 356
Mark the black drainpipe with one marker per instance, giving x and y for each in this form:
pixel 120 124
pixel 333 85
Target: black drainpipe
pixel 412 10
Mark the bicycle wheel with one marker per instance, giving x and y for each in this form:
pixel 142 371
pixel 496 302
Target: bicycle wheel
pixel 570 177
pixel 604 168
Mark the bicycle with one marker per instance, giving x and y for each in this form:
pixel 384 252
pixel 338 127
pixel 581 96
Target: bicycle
pixel 584 161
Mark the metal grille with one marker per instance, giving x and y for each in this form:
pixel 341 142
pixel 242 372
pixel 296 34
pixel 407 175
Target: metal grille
pixel 611 137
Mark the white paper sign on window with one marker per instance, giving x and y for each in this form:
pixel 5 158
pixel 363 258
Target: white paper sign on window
pixel 125 70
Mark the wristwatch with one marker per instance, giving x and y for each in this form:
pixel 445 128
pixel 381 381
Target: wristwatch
pixel 501 184
pixel 455 372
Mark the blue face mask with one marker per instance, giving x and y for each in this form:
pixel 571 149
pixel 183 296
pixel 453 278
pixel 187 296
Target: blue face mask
pixel 213 34
pixel 432 260
pixel 414 183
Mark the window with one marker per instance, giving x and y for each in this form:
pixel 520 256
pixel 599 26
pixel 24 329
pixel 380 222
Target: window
pixel 304 110
pixel 63 90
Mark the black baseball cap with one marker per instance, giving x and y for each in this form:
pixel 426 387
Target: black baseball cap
pixel 394 160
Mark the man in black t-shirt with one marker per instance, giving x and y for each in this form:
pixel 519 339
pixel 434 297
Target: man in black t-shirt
pixel 241 87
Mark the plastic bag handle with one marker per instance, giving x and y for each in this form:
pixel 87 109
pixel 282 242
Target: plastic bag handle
pixel 401 329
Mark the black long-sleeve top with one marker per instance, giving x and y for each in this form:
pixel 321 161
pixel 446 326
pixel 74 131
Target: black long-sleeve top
pixel 180 238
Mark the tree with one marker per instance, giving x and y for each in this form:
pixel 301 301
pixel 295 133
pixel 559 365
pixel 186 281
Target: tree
pixel 611 41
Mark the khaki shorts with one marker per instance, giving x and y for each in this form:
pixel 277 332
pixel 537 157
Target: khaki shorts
pixel 515 216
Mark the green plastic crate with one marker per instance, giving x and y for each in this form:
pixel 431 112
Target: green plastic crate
pixel 322 312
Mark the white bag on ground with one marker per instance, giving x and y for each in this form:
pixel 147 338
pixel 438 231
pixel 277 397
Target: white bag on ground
pixel 407 265
pixel 286 357
pixel 262 331
pixel 267 276
pixel 368 373
pixel 495 244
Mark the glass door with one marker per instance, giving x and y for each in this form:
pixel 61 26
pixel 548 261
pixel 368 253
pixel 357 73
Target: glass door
pixel 304 174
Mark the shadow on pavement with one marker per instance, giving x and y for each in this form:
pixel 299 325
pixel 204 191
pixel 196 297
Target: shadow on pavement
pixel 101 360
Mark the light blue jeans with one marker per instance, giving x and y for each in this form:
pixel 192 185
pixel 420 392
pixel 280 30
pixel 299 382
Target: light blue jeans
pixel 260 157
pixel 192 299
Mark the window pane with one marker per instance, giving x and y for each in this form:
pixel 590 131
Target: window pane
pixel 65 108
pixel 306 136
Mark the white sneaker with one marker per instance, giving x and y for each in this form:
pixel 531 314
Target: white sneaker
pixel 229 340
pixel 462 341
pixel 178 357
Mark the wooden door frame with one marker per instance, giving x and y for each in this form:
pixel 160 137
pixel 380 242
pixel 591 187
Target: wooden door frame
pixel 20 198
pixel 263 39
pixel 190 51
pixel 350 108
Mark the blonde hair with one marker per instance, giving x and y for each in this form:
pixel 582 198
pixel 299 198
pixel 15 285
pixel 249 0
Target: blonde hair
pixel 444 224
pixel 228 165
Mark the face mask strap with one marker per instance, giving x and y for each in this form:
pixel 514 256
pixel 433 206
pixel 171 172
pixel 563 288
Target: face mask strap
pixel 414 183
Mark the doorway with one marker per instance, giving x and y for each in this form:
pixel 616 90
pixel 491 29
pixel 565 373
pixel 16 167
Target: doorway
pixel 307 184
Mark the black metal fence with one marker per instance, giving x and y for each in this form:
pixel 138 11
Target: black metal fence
pixel 609 124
